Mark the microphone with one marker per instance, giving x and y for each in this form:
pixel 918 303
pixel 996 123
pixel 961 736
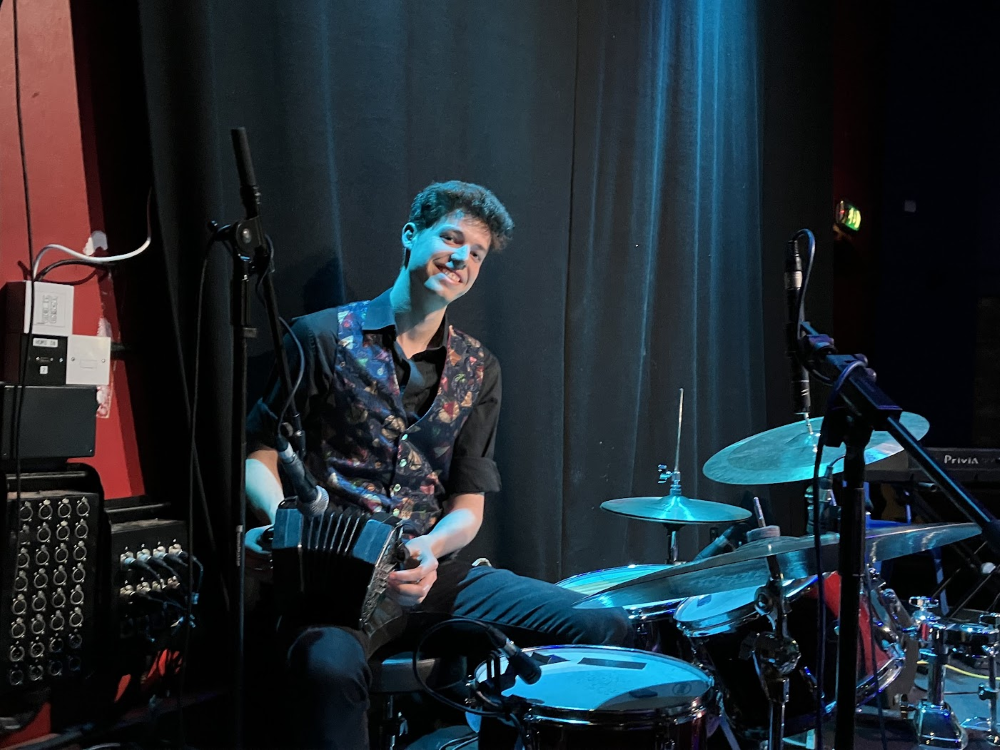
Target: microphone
pixel 724 542
pixel 249 192
pixel 313 499
pixel 522 665
pixel 793 290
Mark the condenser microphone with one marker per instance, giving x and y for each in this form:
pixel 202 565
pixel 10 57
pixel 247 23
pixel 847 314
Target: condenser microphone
pixel 520 663
pixel 793 291
pixel 313 499
pixel 249 192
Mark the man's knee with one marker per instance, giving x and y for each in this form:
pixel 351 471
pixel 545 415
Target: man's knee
pixel 330 660
pixel 605 627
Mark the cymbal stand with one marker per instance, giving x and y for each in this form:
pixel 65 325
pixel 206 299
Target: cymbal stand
pixel 935 723
pixel 775 654
pixel 675 483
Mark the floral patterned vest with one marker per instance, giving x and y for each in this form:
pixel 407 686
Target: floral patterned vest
pixel 367 454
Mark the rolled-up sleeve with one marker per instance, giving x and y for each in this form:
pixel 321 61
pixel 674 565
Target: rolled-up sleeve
pixel 472 466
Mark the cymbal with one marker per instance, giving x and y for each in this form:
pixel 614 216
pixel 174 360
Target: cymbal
pixel 788 453
pixel 676 509
pixel 747 565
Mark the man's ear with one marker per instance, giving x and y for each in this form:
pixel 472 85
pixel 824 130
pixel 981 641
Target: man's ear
pixel 408 233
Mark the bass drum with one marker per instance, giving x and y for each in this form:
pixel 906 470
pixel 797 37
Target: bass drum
pixel 722 628
pixel 652 622
pixel 609 698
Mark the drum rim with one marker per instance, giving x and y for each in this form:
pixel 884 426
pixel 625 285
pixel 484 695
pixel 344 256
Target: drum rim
pixel 697 708
pixel 727 621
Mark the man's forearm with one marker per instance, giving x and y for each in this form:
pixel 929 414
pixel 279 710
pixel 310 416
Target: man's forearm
pixel 459 526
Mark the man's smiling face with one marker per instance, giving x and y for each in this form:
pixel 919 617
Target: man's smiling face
pixel 446 257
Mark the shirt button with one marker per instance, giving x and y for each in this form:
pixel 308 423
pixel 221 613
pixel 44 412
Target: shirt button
pixel 402 462
pixel 396 488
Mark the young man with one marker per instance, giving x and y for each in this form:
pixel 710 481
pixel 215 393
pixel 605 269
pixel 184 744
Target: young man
pixel 400 413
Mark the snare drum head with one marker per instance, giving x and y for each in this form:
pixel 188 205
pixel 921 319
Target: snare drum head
pixel 608 678
pixel 704 614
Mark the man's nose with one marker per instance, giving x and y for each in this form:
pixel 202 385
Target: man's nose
pixel 459 257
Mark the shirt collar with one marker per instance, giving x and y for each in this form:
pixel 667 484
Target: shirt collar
pixel 380 317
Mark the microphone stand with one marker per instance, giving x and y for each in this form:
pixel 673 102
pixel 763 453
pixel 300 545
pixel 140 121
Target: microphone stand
pixel 863 407
pixel 251 253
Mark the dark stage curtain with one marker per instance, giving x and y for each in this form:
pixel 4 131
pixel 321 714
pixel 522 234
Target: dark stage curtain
pixel 626 140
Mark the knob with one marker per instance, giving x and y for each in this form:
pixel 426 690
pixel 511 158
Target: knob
pixel 62 531
pixel 41 579
pixel 17 629
pixel 16 653
pixel 37 650
pixel 15 677
pixel 37 625
pixel 20 605
pixel 42 556
pixel 56 646
pixel 45 511
pixel 79 552
pixel 44 534
pixel 24 513
pixel 60 577
pixel 79 573
pixel 35 672
pixel 23 558
pixel 81 530
pixel 82 507
pixel 62 554
pixel 65 509
pixel 58 622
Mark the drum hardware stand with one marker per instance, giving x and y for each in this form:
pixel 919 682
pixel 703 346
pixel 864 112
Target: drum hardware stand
pixel 775 654
pixel 934 721
pixel 980 727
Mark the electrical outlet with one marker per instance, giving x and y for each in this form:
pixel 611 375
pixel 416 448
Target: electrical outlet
pixel 53 308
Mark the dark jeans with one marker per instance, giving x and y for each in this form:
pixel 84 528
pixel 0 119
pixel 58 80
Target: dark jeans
pixel 328 666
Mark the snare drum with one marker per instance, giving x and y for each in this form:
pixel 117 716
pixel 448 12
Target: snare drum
pixel 652 622
pixel 722 627
pixel 611 698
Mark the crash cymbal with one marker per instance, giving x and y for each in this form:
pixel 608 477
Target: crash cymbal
pixel 747 566
pixel 676 509
pixel 788 453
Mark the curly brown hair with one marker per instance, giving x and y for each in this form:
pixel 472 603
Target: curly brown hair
pixel 442 198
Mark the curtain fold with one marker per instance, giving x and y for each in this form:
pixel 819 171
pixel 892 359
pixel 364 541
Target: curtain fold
pixel 624 138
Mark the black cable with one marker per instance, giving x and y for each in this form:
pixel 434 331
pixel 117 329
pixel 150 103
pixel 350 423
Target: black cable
pixel 298 377
pixel 19 387
pixel 190 498
pixel 431 691
pixel 71 262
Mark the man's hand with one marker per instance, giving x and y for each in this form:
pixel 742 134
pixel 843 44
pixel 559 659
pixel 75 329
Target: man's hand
pixel 409 587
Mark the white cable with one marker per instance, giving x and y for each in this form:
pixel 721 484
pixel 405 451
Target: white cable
pixel 89 260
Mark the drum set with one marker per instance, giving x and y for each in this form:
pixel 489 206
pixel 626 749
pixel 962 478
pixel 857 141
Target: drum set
pixel 742 645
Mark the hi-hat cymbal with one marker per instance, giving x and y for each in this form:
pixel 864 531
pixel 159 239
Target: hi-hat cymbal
pixel 788 453
pixel 747 566
pixel 676 509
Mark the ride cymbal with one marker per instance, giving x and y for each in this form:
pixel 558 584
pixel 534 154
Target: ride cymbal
pixel 788 453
